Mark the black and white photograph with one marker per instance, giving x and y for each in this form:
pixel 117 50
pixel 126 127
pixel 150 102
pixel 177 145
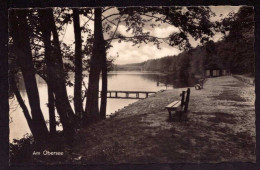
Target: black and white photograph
pixel 131 85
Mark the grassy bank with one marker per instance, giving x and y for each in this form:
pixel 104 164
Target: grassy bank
pixel 247 79
pixel 219 127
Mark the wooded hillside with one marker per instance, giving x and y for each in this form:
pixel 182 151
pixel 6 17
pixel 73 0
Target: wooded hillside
pixel 234 52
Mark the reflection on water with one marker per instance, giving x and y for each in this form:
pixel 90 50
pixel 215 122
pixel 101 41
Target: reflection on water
pixel 132 81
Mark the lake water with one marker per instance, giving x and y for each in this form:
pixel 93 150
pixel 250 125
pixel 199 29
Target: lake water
pixel 124 81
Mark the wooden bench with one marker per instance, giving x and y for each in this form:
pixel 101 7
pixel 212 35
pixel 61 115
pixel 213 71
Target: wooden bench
pixel 179 105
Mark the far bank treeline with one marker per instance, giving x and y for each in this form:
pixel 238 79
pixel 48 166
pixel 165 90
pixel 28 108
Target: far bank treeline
pixel 234 52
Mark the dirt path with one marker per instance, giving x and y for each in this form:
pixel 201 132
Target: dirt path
pixel 220 126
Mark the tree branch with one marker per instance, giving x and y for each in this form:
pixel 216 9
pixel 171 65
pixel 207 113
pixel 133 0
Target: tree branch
pixel 36 45
pixel 108 8
pixel 110 16
pixel 140 36
pixel 88 20
pixel 115 31
pixel 109 21
pixel 152 16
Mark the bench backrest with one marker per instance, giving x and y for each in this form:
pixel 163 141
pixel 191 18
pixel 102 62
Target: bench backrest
pixel 185 101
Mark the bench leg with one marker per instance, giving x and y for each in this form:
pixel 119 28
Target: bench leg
pixel 170 115
pixel 180 115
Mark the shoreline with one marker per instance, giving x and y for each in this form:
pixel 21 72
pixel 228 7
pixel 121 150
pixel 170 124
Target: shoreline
pixel 114 114
pixel 219 127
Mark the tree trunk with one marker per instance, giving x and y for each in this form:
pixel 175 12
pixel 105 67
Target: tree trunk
pixel 55 72
pixel 51 107
pixel 61 92
pixel 20 34
pixel 4 104
pixel 98 52
pixel 78 64
pixel 103 106
pixel 22 104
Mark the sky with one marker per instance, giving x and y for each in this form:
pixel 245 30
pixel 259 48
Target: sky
pixel 125 52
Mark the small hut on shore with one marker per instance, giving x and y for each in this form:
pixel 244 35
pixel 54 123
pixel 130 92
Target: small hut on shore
pixel 215 70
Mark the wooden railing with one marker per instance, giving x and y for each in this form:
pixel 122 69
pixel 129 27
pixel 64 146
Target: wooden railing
pixel 128 94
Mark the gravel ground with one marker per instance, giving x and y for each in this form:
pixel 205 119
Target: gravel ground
pixel 219 127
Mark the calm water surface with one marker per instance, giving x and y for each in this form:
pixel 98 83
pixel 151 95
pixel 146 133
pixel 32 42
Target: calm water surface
pixel 132 81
